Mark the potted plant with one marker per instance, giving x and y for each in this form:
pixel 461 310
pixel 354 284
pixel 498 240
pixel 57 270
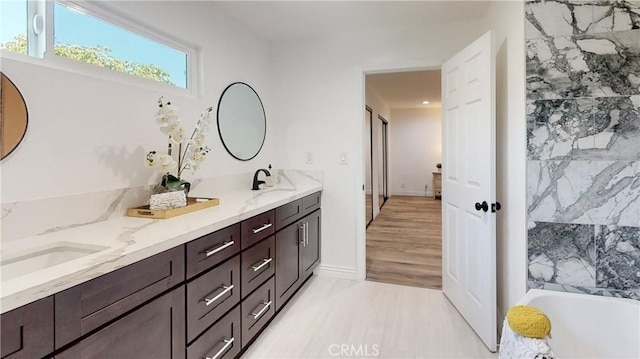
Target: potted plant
pixel 439 166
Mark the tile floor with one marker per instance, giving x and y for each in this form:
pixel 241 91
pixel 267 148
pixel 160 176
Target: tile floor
pixel 333 317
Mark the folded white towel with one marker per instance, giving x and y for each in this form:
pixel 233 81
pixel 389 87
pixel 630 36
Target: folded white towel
pixel 168 200
pixel 515 346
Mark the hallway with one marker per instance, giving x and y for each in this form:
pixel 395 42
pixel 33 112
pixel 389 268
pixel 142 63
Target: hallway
pixel 404 243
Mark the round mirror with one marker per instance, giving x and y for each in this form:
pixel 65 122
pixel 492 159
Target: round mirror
pixel 241 121
pixel 13 116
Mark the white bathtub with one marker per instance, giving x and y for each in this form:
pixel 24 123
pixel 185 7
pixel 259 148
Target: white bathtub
pixel 589 326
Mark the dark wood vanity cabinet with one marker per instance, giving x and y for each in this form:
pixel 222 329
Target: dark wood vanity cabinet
pixel 207 298
pixel 27 332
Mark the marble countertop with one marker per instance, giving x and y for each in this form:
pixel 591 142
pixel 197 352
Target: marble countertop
pixel 125 240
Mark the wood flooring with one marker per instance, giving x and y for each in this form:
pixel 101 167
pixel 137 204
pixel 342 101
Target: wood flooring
pixel 404 243
pixel 330 315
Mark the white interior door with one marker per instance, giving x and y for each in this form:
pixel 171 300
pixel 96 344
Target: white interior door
pixel 468 177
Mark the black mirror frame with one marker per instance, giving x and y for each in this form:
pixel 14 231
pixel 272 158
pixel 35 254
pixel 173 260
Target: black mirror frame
pixel 218 121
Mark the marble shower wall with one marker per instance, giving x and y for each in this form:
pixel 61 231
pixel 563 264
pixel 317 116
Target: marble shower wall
pixel 583 146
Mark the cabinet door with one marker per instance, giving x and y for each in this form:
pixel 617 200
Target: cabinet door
pixel 27 332
pixel 287 262
pixel 310 251
pixel 153 331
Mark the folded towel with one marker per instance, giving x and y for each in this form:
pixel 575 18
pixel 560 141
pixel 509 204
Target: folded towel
pixel 168 200
pixel 514 345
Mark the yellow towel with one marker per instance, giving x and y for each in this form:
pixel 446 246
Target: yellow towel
pixel 529 322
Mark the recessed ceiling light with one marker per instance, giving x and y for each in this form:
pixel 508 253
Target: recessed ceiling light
pixel 425 102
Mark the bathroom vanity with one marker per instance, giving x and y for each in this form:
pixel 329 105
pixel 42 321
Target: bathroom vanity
pixel 198 295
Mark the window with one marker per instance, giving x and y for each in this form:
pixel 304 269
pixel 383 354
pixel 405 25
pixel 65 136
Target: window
pixel 94 36
pixel 13 26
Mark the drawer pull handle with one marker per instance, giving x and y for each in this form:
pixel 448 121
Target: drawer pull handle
pixel 227 343
pixel 264 263
pixel 264 309
pixel 260 229
pixel 224 245
pixel 226 290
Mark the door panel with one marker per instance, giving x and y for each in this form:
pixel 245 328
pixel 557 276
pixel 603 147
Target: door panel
pixel 468 234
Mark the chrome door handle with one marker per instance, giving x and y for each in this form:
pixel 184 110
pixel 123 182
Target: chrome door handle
pixel 227 343
pixel 264 263
pixel 224 245
pixel 226 290
pixel 264 309
pixel 302 240
pixel 265 226
pixel 306 234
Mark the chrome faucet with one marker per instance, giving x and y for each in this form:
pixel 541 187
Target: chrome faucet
pixel 256 182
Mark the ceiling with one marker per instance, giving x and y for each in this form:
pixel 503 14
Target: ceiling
pixel 289 20
pixel 407 89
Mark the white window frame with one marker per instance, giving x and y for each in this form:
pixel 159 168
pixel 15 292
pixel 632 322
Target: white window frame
pixel 40 49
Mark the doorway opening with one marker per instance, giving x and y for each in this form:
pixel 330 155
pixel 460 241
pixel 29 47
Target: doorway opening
pixel 403 238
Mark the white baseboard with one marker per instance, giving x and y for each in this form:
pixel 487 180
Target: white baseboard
pixel 338 272
pixel 412 193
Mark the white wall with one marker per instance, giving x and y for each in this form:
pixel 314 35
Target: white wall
pixel 379 108
pixel 415 150
pixel 318 89
pixel 506 19
pixel 87 134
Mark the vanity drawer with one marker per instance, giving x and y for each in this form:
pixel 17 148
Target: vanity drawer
pixel 288 214
pixel 311 202
pixel 27 332
pixel 207 251
pixel 257 228
pixel 87 306
pixel 220 341
pixel 257 310
pixel 258 264
pixel 155 330
pixel 212 295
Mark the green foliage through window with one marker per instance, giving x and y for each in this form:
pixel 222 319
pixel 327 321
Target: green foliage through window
pixel 95 55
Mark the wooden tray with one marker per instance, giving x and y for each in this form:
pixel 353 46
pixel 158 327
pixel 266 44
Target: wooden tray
pixel 191 206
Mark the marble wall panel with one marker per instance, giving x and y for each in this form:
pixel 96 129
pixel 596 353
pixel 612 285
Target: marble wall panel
pixel 583 145
pixel 559 129
pixel 618 257
pixel 584 192
pixel 616 128
pixel 562 253
pixel 574 17
pixel 586 65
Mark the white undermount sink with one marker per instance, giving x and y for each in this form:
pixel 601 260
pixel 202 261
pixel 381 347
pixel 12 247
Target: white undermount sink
pixel 45 257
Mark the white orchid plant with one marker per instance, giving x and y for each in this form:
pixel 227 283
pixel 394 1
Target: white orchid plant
pixel 195 150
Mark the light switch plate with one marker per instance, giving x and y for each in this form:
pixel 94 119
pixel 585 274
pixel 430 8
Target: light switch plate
pixel 308 158
pixel 343 158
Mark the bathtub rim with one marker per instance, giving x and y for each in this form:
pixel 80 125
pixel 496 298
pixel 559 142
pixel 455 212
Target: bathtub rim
pixel 537 293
